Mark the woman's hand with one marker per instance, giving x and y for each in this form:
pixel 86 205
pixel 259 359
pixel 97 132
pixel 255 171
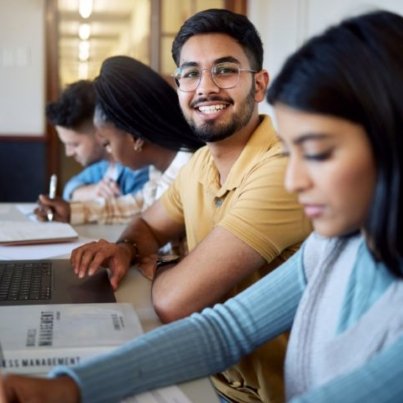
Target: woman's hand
pixel 23 389
pixel 59 207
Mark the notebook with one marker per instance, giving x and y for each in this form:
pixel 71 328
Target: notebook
pixel 52 281
pixel 28 232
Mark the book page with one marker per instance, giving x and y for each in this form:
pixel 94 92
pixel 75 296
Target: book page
pixel 34 338
pixel 51 332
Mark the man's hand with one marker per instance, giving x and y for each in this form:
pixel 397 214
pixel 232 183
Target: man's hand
pixel 23 389
pixel 88 258
pixel 60 208
pixel 107 188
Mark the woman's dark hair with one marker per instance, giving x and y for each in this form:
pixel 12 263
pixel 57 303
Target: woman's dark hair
pixel 225 22
pixel 137 100
pixel 75 106
pixel 355 71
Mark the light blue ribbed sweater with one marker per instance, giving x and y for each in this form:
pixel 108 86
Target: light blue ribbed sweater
pixel 207 343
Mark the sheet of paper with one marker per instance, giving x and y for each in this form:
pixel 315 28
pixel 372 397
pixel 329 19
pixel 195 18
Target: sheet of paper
pixel 170 394
pixel 18 212
pixel 27 210
pixel 8 211
pixel 44 251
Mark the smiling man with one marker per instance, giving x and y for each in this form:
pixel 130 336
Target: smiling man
pixel 239 221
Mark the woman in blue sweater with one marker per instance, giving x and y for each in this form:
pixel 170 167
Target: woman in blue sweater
pixel 339 104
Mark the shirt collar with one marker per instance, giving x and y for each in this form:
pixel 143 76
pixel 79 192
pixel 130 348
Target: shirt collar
pixel 261 140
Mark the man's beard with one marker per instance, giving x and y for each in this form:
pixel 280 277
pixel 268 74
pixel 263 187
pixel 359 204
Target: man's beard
pixel 210 132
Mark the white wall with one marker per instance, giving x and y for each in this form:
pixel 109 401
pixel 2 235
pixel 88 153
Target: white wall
pixel 285 24
pixel 22 67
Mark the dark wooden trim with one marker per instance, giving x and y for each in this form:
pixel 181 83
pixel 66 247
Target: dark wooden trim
pixel 23 138
pixel 52 81
pixel 238 6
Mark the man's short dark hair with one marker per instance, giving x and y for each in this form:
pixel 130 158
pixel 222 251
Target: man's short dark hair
pixel 75 106
pixel 226 22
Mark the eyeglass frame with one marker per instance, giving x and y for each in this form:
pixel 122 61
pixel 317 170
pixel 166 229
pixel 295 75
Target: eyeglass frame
pixel 174 75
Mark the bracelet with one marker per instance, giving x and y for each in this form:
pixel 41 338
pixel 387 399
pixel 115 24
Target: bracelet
pixel 132 244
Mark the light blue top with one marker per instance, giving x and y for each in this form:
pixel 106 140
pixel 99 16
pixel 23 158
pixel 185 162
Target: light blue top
pixel 209 342
pixel 129 181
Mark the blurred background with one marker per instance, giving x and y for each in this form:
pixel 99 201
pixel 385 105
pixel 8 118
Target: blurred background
pixel 47 44
pixel 91 30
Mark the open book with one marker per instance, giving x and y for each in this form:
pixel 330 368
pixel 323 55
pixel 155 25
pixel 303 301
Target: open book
pixel 28 232
pixel 35 338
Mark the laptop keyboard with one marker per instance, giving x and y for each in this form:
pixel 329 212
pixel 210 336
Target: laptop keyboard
pixel 25 281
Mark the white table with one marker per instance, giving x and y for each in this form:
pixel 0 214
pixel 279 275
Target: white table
pixel 135 289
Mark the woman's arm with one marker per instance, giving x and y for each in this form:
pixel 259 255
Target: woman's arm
pixel 197 346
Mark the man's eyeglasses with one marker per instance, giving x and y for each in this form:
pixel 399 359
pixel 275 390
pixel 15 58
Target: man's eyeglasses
pixel 224 75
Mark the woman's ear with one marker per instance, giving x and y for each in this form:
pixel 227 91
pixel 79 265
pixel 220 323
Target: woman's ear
pixel 138 145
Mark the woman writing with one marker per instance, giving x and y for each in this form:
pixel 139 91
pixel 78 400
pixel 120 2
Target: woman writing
pixel 138 118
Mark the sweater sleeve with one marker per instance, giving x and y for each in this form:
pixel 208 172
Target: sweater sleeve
pixel 197 346
pixel 118 210
pixel 379 380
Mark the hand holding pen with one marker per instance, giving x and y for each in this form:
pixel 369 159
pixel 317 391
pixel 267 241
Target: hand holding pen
pixel 52 195
pixel 52 208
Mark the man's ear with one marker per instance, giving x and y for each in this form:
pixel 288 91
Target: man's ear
pixel 261 84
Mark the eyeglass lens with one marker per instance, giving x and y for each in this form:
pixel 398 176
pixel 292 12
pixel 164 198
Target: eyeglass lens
pixel 224 75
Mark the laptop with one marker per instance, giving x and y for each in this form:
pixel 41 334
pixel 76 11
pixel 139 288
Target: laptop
pixel 51 281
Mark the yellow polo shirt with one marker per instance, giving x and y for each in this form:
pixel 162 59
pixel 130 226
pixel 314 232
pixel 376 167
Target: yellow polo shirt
pixel 253 205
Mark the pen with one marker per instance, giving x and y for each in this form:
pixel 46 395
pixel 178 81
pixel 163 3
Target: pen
pixel 52 194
